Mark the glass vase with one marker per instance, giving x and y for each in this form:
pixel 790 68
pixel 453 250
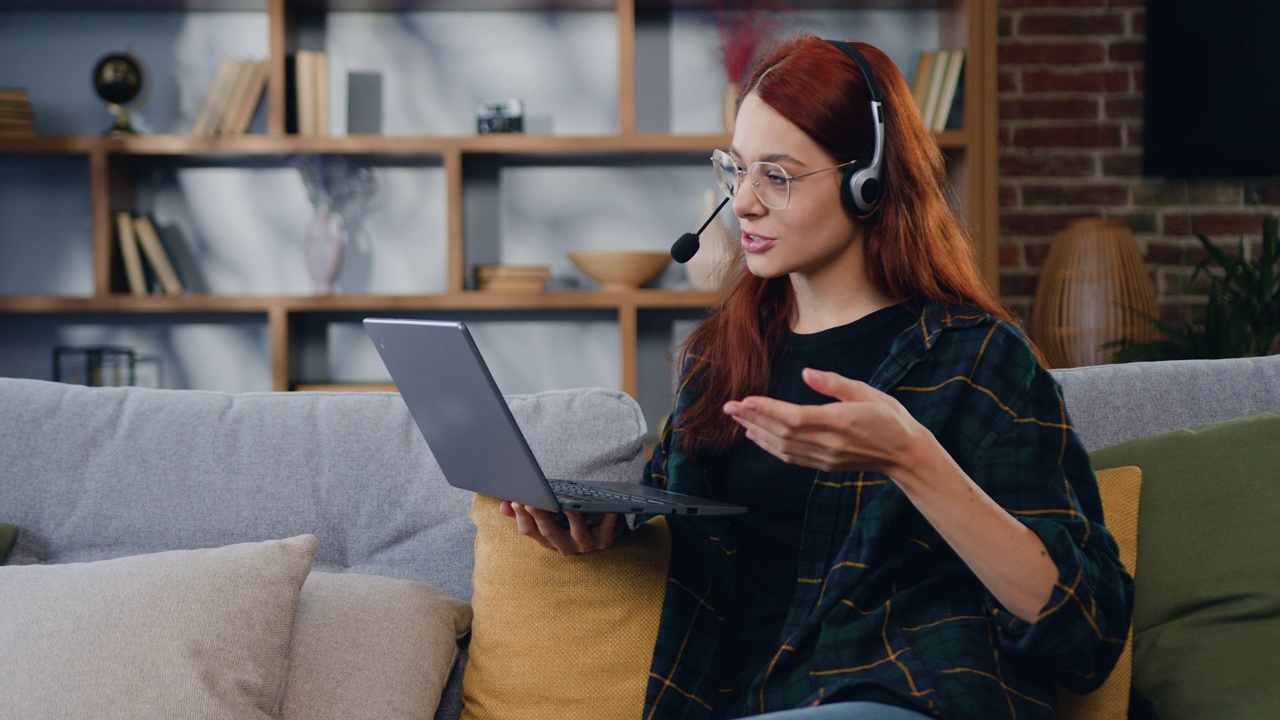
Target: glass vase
pixel 323 244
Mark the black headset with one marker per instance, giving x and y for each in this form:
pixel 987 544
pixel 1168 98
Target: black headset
pixel 860 185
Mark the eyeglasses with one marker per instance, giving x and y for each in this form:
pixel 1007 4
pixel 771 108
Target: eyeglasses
pixel 770 183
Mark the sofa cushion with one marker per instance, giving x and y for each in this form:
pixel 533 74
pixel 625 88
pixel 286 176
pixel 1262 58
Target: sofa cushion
pixel 93 473
pixel 370 646
pixel 1121 490
pixel 196 633
pixel 1207 606
pixel 561 638
pixel 1111 404
pixel 8 535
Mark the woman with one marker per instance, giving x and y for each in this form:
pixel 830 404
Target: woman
pixel 925 536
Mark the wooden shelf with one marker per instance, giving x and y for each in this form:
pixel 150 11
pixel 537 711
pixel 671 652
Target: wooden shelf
pixel 511 144
pixel 118 169
pixel 472 300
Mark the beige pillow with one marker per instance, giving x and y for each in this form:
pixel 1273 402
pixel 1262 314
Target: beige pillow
pixel 1121 489
pixel 561 638
pixel 366 646
pixel 186 633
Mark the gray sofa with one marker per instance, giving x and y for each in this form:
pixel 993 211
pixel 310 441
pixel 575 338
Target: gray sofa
pixel 89 474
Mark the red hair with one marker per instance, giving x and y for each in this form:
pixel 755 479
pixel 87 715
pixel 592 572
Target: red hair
pixel 915 247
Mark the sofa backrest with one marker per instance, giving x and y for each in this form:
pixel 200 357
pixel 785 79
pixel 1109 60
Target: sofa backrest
pixel 94 473
pixel 1111 404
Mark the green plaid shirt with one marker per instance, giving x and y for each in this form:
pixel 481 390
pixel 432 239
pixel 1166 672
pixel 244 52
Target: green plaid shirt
pixel 883 610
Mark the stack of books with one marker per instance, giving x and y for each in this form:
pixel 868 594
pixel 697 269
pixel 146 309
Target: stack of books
pixel 512 278
pixel 139 241
pixel 316 93
pixel 936 87
pixel 16 120
pixel 232 98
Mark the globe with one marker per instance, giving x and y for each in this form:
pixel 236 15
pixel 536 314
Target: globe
pixel 118 79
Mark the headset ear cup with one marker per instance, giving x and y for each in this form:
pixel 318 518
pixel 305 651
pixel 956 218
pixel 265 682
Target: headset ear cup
pixel 846 191
pixel 859 190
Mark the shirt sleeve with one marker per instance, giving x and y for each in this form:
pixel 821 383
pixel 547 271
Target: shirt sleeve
pixel 1034 465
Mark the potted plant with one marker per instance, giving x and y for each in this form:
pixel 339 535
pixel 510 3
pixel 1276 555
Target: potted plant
pixel 1241 315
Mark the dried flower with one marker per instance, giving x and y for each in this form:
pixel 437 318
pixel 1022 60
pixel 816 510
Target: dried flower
pixel 334 184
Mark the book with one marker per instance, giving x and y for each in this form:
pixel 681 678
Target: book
pixel 129 253
pixel 13 94
pixel 237 95
pixel 936 75
pixel 149 241
pixel 338 89
pixel 248 97
pixel 321 80
pixel 305 87
pixel 924 73
pixel 210 112
pixel 947 93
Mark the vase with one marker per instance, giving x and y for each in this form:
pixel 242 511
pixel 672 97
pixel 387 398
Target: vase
pixel 323 243
pixel 729 106
pixel 1094 291
pixel 716 251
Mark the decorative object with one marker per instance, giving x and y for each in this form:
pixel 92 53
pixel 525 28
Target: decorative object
pixel 1241 314
pixel 120 79
pixel 1093 277
pixel 338 194
pixel 500 116
pixel 716 254
pixel 620 269
pixel 512 278
pixel 745 35
pixel 96 366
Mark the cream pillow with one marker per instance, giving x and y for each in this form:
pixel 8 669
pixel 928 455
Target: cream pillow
pixel 366 646
pixel 185 633
pixel 561 638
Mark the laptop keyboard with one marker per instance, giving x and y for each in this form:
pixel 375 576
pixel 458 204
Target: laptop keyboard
pixel 587 493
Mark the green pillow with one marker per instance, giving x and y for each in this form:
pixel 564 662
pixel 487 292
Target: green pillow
pixel 8 534
pixel 1207 608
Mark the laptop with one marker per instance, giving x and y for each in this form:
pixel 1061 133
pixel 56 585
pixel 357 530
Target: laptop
pixel 466 422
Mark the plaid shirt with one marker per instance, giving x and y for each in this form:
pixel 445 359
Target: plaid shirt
pixel 883 609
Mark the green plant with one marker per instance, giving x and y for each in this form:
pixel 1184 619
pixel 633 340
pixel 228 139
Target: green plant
pixel 1241 315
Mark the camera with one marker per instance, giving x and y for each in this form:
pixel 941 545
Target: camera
pixel 500 116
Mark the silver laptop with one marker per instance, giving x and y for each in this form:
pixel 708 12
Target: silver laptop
pixel 466 422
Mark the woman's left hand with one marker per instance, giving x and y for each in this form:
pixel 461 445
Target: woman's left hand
pixel 866 430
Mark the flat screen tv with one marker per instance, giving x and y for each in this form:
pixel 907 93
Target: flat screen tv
pixel 1212 98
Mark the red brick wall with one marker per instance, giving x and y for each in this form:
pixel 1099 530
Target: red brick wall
pixel 1071 79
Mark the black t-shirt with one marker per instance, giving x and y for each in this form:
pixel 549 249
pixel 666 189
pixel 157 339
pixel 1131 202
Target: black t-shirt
pixel 768 537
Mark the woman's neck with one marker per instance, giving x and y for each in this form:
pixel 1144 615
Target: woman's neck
pixel 839 295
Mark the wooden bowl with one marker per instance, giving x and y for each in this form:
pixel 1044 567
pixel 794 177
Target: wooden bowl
pixel 620 269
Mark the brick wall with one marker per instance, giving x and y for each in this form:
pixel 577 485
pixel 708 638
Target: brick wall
pixel 1071 79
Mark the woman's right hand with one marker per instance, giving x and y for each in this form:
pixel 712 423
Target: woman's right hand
pixel 580 537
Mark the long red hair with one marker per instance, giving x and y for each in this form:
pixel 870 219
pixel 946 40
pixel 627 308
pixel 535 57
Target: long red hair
pixel 915 247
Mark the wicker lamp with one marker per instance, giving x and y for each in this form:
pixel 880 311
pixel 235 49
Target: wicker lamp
pixel 1092 291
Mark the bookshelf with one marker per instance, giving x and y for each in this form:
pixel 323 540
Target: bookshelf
pixel 636 131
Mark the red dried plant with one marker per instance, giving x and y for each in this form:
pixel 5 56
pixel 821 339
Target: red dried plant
pixel 745 34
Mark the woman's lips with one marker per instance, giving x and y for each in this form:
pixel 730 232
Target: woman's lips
pixel 756 243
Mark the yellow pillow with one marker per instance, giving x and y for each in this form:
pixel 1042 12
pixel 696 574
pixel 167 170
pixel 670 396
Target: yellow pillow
pixel 561 638
pixel 1120 489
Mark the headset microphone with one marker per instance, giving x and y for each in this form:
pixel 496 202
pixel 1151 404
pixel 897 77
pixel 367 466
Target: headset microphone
pixel 685 248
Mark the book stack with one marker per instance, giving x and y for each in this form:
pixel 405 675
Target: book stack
pixel 316 93
pixel 232 98
pixel 936 87
pixel 16 120
pixel 512 278
pixel 144 256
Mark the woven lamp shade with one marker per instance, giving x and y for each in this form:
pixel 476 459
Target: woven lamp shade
pixel 1093 290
